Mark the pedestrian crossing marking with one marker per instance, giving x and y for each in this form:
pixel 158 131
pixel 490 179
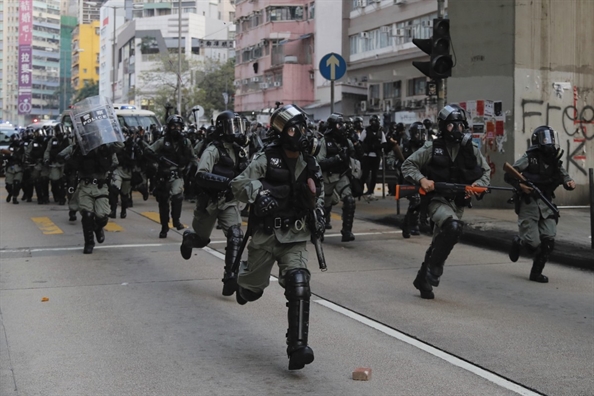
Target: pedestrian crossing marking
pixel 113 227
pixel 154 216
pixel 46 225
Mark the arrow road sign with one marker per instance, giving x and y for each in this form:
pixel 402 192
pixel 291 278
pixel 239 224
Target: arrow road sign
pixel 332 66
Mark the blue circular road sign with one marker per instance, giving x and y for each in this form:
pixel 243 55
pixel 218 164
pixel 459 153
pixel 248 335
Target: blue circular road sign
pixel 332 66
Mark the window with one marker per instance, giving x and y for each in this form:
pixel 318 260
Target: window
pixel 312 11
pixel 392 90
pixel 374 91
pixel 416 86
pixel 284 13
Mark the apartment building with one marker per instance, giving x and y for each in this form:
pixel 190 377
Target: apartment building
pixel 85 55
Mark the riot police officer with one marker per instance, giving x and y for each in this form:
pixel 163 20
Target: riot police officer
pixel 92 190
pixel 335 152
pixel 374 140
pixel 417 136
pixel 221 161
pixel 40 172
pixel 453 158
pixel 56 169
pixel 14 157
pixel 537 223
pixel 173 152
pixel 284 186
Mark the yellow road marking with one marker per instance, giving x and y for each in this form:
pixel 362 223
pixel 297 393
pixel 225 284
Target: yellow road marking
pixel 46 225
pixel 113 227
pixel 335 216
pixel 154 216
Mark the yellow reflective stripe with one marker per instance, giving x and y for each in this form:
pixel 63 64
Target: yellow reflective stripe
pixel 46 225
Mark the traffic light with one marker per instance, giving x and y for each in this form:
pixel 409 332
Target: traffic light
pixel 438 47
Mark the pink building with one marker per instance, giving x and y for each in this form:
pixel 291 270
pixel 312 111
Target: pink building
pixel 274 53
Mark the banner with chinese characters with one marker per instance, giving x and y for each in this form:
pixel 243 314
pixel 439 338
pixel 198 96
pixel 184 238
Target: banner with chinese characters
pixel 25 61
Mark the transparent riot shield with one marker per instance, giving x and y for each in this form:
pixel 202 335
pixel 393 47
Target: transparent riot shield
pixel 95 123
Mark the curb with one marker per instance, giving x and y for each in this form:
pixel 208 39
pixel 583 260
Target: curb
pixel 565 253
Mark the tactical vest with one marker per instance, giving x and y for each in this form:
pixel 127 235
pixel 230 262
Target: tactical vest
pixel 55 148
pixel 278 174
pixel 225 166
pixel 98 161
pixel 170 151
pixel 37 150
pixel 464 169
pixel 547 179
pixel 332 149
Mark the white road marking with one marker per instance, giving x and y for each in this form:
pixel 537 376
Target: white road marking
pixel 489 376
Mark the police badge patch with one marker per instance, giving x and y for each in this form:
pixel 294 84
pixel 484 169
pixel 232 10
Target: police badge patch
pixel 275 162
pixel 439 151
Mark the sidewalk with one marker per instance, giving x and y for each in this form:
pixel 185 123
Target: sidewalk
pixel 494 228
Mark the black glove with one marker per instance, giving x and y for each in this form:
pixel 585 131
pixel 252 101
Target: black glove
pixel 343 155
pixel 264 204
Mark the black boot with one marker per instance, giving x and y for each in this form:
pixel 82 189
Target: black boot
pixel 45 186
pixel 39 192
pixel 440 248
pixel 298 294
pixel 72 215
pixel 541 257
pixel 144 192
pixel 9 190
pixel 191 240
pixel 348 217
pixel 405 227
pixel 422 285
pixel 234 239
pixel 123 213
pixel 176 209
pixel 113 202
pixel 164 217
pixel 516 247
pixel 328 213
pixel 88 224
pixel 100 222
pixel 16 187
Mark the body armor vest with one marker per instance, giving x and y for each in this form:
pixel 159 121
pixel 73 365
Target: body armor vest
pixel 547 179
pixel 96 162
pixel 333 148
pixel 464 169
pixel 372 140
pixel 56 147
pixel 37 150
pixel 225 166
pixel 170 152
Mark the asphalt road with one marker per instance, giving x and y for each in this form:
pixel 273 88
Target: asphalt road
pixel 134 318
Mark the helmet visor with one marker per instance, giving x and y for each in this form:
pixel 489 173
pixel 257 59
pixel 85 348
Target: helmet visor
pixel 548 137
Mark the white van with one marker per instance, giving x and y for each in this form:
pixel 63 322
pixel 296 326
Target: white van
pixel 128 116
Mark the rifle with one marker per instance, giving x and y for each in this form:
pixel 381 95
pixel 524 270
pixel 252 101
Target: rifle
pixel 513 172
pixel 404 190
pixel 168 161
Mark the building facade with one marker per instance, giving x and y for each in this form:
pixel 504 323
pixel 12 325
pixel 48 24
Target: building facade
pixel 85 55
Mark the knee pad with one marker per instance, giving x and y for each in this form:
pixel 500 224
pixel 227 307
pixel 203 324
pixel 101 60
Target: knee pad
pixel 452 229
pixel 101 221
pixel 297 284
pixel 234 234
pixel 349 201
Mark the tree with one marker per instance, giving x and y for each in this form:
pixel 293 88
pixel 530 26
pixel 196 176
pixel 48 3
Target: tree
pixel 202 83
pixel 89 89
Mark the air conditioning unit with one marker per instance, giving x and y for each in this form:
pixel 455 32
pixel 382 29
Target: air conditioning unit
pixel 387 104
pixel 363 105
pixel 263 85
pixel 385 29
pixel 277 84
pixel 364 35
pixel 255 79
pixel 399 32
pixel 361 3
pixel 399 2
pixel 290 59
pixel 237 83
pixel 246 81
pixel 428 23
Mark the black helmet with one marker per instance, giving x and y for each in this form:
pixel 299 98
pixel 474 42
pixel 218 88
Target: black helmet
pixel 175 126
pixel 417 133
pixel 452 115
pixel 334 122
pixel 374 120
pixel 546 140
pixel 59 130
pixel 230 127
pixel 289 123
pixel 358 123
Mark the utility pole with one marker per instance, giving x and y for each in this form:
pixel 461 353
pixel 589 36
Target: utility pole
pixel 113 59
pixel 179 59
pixel 442 93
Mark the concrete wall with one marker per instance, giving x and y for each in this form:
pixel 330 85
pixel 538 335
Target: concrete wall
pixel 535 58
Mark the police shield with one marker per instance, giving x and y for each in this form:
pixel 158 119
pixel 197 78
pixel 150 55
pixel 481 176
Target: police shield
pixel 95 123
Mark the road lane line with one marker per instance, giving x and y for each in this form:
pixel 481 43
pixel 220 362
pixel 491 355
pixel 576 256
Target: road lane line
pixel 154 216
pixel 454 360
pixel 46 225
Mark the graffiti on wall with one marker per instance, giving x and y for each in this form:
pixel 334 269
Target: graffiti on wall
pixel 575 121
